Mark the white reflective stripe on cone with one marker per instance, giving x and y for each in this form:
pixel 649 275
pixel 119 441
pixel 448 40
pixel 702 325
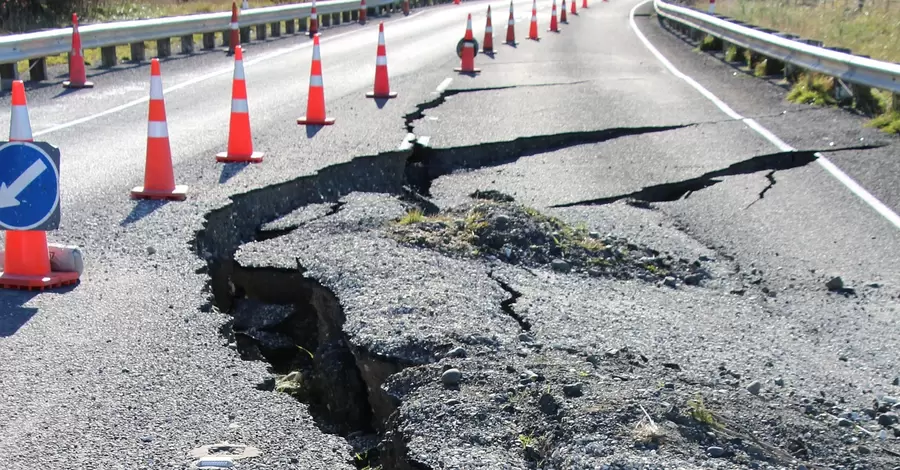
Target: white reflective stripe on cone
pixel 315 80
pixel 239 70
pixel 20 127
pixel 156 88
pixel 234 26
pixel 313 16
pixel 489 29
pixel 156 130
pixel 316 54
pixel 381 60
pixel 469 45
pixel 240 106
pixel 381 39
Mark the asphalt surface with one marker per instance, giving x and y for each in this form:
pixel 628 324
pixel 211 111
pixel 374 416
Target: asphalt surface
pixel 129 367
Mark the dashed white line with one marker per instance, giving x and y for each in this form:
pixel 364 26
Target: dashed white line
pixel 444 85
pixel 826 164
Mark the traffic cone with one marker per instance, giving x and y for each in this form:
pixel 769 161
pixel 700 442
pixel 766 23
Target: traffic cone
pixel 456 2
pixel 240 141
pixel 382 85
pixel 234 39
pixel 488 45
pixel 554 27
pixel 511 27
pixel 313 20
pixel 26 257
pixel 315 107
pixel 533 31
pixel 406 7
pixel 562 13
pixel 574 10
pixel 77 73
pixel 468 51
pixel 362 12
pixel 584 4
pixel 159 177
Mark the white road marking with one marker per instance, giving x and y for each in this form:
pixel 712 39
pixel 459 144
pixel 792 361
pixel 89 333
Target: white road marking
pixel 443 86
pixel 228 70
pixel 826 164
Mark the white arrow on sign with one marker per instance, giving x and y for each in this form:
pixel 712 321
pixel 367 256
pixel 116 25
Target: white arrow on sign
pixel 9 193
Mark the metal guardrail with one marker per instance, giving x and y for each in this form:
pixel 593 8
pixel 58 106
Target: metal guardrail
pixel 40 44
pixel 847 67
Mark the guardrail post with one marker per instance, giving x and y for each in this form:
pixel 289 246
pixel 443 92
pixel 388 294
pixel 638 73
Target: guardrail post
pixel 260 32
pixel 276 29
pixel 37 69
pixel 138 52
pixel 187 44
pixel 245 35
pixel 164 47
pixel 290 26
pixel 8 74
pixel 108 56
pixel 209 40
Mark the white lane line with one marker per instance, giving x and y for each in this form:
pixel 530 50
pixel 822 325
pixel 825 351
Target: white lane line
pixel 443 86
pixel 825 163
pixel 202 78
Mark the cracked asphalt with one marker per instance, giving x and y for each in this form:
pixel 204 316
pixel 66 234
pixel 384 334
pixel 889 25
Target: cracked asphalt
pixel 135 366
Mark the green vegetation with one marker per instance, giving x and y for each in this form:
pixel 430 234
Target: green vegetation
pixel 526 441
pixel 710 43
pixel 813 89
pixel 871 30
pixel 292 384
pixel 888 122
pixel 731 54
pixel 700 413
pixel 414 216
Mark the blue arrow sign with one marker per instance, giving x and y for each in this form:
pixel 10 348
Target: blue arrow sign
pixel 29 186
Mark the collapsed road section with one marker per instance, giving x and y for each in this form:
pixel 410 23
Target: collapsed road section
pixel 492 336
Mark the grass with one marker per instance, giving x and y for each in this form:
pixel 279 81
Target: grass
pixel 813 89
pixel 873 30
pixel 710 43
pixel 414 216
pixel 700 413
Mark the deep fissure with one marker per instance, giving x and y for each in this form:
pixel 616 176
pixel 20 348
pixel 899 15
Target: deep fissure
pixel 507 305
pixel 305 344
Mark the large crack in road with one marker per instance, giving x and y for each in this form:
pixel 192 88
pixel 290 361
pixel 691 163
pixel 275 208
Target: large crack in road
pixel 343 383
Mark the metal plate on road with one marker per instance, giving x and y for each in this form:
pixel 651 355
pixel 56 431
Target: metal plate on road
pixel 29 186
pixel 459 46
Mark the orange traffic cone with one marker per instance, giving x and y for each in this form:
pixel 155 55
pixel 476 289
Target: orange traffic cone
pixel 77 73
pixel 533 31
pixel 362 12
pixel 468 51
pixel 554 27
pixel 584 4
pixel 240 142
pixel 159 177
pixel 382 86
pixel 456 2
pixel 315 107
pixel 406 7
pixel 488 45
pixel 26 257
pixel 574 10
pixel 234 38
pixel 313 20
pixel 562 13
pixel 511 27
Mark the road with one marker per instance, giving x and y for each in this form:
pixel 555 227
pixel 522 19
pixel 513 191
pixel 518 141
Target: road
pixel 129 369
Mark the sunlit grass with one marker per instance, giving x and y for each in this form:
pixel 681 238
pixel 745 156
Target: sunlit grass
pixel 872 31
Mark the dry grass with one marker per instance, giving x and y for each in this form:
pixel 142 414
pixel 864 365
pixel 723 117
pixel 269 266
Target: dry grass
pixel 873 30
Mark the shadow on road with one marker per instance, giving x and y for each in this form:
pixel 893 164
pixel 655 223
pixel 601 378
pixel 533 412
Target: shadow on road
pixel 311 131
pixel 381 102
pixel 230 170
pixel 13 312
pixel 143 208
